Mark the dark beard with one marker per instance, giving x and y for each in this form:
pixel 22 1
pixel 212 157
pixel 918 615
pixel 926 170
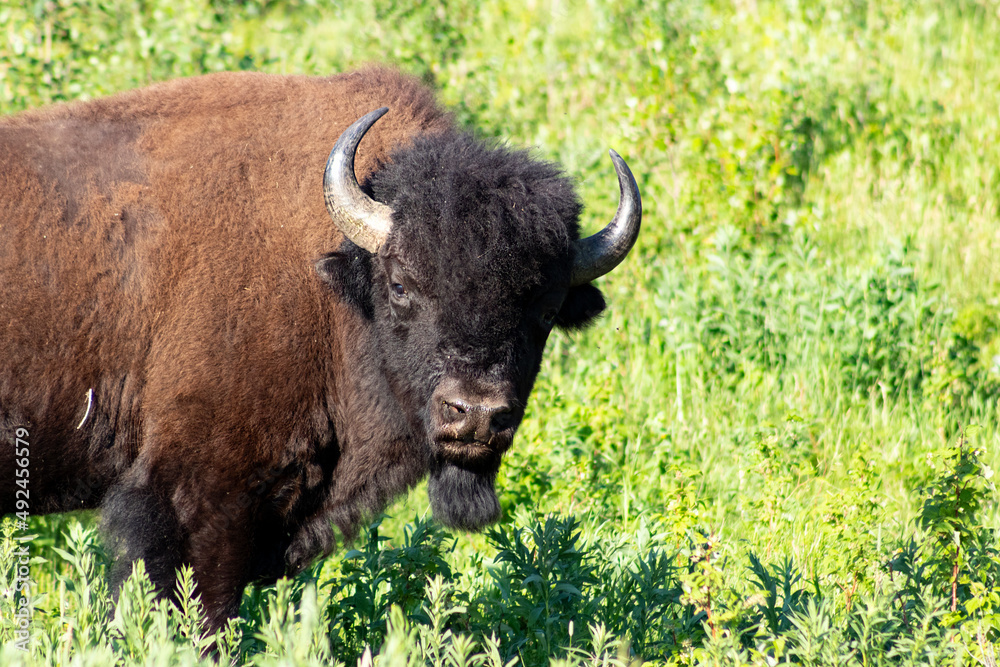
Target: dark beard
pixel 463 499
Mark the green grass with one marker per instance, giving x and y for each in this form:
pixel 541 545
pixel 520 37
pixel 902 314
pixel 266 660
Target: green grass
pixel 776 446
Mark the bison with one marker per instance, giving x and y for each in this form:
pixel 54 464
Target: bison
pixel 191 346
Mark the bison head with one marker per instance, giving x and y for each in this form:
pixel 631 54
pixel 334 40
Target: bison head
pixel 471 254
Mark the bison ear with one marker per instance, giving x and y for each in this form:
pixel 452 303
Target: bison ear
pixel 582 306
pixel 348 271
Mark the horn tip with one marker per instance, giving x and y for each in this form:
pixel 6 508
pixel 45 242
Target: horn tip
pixel 371 117
pixel 618 160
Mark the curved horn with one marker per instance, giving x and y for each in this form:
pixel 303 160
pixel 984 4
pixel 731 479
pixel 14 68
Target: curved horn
pixel 598 254
pixel 363 220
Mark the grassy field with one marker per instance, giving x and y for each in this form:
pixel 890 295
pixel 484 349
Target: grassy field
pixel 779 443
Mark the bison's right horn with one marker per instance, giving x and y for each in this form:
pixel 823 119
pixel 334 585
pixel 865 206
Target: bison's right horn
pixel 598 254
pixel 363 220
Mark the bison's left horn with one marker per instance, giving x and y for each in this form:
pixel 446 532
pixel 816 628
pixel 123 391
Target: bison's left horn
pixel 598 254
pixel 363 220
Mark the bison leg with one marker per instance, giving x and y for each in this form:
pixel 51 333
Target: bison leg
pixel 138 522
pixel 221 553
pixel 141 522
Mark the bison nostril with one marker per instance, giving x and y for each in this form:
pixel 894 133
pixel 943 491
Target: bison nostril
pixel 455 408
pixel 502 419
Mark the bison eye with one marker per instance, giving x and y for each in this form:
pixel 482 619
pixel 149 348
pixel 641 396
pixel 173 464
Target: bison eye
pixel 549 317
pixel 399 292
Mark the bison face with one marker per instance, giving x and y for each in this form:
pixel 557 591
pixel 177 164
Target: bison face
pixel 471 256
pixel 462 324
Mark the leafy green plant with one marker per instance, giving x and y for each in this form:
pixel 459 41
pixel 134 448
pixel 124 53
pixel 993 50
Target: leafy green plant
pixel 784 598
pixel 894 320
pixel 377 577
pixel 541 575
pixel 958 554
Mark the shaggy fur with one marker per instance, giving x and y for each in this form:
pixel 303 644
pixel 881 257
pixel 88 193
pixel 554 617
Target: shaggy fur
pixel 257 379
